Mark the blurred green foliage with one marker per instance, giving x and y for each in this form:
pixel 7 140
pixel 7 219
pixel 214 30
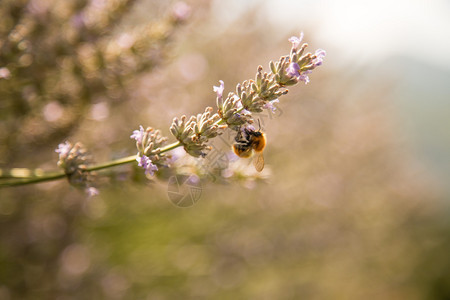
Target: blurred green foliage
pixel 347 213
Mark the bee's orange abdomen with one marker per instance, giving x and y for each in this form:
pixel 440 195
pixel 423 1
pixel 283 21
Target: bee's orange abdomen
pixel 259 143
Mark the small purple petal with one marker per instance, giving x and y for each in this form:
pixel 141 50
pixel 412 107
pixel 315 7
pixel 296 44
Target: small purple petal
pixel 151 170
pixel 320 54
pixel 269 105
pixel 143 161
pixel 304 78
pixel 293 70
pixel 147 165
pixel 63 149
pixel 296 40
pixel 138 134
pixel 219 89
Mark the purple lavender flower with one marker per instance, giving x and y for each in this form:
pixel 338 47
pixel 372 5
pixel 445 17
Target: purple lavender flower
pixel 219 90
pixel 296 40
pixel 269 105
pixel 138 134
pixel 293 70
pixel 147 165
pixel 64 149
pixel 304 77
pixel 320 54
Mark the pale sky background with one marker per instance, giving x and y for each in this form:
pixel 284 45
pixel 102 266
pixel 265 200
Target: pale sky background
pixel 374 29
pixel 370 30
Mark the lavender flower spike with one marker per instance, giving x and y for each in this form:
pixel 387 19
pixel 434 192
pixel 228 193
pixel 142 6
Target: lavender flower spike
pixel 147 165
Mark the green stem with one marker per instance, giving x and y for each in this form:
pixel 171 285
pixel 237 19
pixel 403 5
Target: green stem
pixel 113 163
pixel 129 159
pixel 24 181
pixel 27 176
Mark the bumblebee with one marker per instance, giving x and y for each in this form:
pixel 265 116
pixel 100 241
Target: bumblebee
pixel 249 141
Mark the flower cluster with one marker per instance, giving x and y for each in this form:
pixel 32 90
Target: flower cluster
pixel 195 132
pixel 289 70
pixel 231 110
pixel 73 159
pixel 262 93
pixel 149 143
pixel 235 111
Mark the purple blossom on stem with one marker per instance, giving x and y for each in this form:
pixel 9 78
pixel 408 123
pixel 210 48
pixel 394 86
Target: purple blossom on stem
pixel 63 148
pixel 296 40
pixel 293 70
pixel 147 165
pixel 138 134
pixel 319 55
pixel 269 105
pixel 219 90
pixel 303 77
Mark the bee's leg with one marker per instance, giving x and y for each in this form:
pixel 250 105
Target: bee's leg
pixel 239 138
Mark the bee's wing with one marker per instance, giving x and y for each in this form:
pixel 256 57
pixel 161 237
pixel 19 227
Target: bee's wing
pixel 258 161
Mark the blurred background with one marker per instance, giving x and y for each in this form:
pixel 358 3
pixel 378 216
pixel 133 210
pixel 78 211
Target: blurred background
pixel 354 200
